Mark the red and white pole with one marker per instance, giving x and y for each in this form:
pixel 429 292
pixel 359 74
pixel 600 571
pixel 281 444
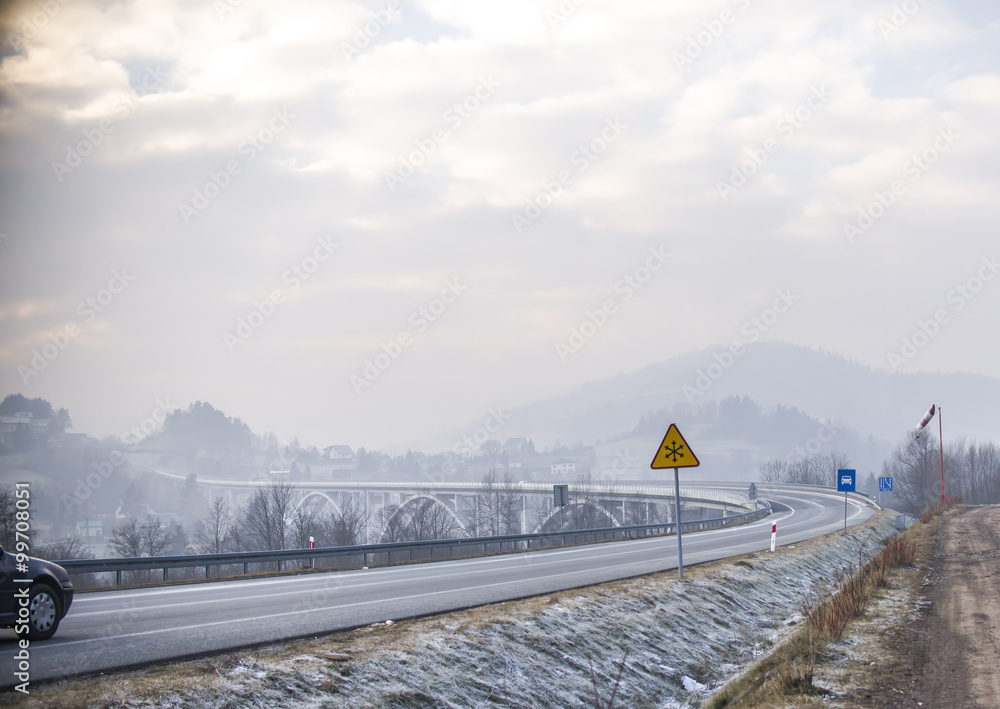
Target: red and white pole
pixel 774 534
pixel 941 448
pixel 920 427
pixel 312 543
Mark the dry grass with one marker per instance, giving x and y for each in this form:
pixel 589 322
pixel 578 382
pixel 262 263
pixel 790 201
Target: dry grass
pixel 785 677
pixel 932 512
pixel 830 619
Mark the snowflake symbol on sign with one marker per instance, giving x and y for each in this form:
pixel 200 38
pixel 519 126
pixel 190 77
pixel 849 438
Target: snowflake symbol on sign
pixel 674 450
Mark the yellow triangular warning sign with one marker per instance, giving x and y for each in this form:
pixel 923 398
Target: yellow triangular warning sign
pixel 674 452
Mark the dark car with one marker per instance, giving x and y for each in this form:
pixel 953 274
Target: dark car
pixel 33 609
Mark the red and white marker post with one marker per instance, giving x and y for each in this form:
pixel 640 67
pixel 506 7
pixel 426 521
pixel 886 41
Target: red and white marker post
pixel 774 534
pixel 920 427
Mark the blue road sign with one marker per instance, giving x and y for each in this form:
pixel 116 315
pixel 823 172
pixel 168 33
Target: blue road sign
pixel 885 484
pixel 845 480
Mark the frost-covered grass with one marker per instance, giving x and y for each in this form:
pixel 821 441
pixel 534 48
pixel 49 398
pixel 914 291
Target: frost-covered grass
pixel 830 619
pixel 822 662
pixel 682 641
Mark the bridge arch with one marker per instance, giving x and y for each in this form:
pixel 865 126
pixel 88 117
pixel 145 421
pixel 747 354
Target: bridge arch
pixel 576 506
pixel 318 493
pixel 412 502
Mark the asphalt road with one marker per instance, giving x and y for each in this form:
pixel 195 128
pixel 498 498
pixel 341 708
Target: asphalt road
pixel 116 629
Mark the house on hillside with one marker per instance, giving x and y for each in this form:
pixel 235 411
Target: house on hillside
pixel 340 453
pixel 563 468
pixel 21 431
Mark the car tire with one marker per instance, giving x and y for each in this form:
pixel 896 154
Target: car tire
pixel 43 612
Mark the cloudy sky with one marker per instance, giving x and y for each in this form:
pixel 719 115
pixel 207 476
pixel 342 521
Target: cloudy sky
pixel 369 222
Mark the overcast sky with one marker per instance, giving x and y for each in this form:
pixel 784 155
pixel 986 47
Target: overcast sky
pixel 171 167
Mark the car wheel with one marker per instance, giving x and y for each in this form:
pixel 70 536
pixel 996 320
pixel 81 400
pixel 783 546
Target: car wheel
pixel 43 612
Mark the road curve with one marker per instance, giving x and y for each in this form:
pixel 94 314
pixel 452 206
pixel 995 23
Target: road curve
pixel 109 630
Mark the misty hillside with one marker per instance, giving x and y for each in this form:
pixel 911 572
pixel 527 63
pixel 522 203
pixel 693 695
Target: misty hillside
pixel 822 385
pixel 875 407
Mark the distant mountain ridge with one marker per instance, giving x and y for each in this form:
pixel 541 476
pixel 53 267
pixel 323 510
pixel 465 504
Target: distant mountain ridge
pixel 872 402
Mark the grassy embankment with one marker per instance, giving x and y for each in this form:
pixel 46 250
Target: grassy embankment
pixel 786 674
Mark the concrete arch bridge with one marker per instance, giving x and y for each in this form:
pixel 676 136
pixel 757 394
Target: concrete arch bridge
pixel 467 509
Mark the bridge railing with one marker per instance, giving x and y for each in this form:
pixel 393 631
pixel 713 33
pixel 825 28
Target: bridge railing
pixel 701 491
pixel 245 563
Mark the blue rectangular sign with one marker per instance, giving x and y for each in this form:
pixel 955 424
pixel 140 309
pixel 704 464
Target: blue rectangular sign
pixel 845 480
pixel 885 484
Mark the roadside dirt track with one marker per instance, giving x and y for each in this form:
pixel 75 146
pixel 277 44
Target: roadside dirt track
pixel 950 655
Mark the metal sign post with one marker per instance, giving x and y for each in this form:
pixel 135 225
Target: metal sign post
pixel 884 486
pixel 560 494
pixel 845 484
pixel 677 515
pixel 674 452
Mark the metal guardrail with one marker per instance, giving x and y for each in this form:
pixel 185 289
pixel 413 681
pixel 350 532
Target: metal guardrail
pixel 398 552
pixel 788 487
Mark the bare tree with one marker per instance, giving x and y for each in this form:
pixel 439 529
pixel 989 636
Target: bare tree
pixel 509 505
pixel 393 524
pixel 8 517
pixel 347 528
pixel 132 539
pixel 420 518
pixel 266 517
pixel 65 548
pixel 126 539
pixel 804 470
pixel 305 523
pixel 430 519
pixel 155 539
pixel 916 475
pixel 972 472
pixel 774 471
pixel 540 507
pixel 216 528
pixel 586 510
pixel 497 507
pixel 69 548
pixel 493 450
